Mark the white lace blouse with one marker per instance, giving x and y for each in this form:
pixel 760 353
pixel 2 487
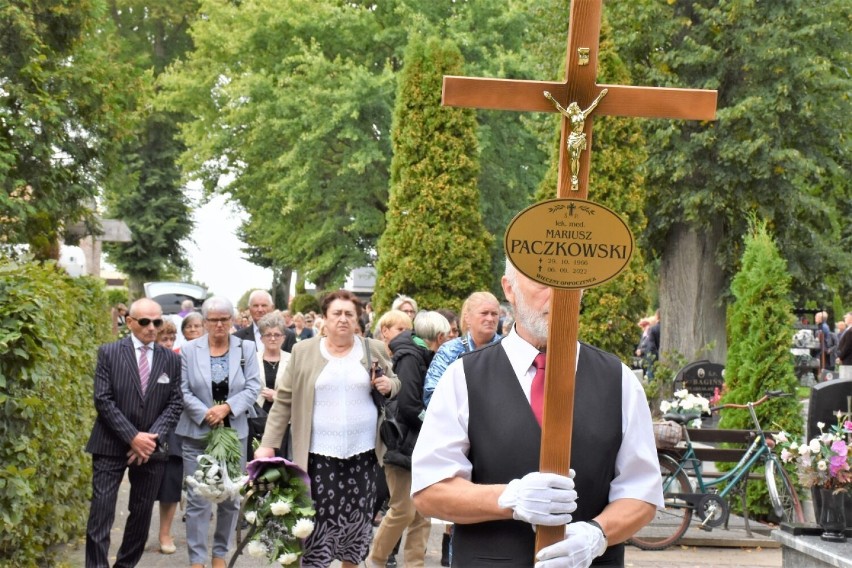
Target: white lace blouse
pixel 344 419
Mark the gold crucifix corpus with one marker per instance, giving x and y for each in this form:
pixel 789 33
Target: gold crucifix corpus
pixel 577 138
pixel 579 86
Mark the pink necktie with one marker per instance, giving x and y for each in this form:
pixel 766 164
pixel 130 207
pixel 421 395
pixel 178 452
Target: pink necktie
pixel 537 390
pixel 144 369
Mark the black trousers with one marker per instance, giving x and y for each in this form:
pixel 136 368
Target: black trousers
pixel 107 474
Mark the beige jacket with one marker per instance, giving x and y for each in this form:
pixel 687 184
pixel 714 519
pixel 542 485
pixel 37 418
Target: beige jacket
pixel 294 401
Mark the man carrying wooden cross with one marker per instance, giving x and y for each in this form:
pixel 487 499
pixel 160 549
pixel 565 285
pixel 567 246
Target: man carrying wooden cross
pixel 476 462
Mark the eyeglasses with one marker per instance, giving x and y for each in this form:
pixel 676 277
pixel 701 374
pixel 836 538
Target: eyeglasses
pixel 216 321
pixel 272 335
pixel 145 322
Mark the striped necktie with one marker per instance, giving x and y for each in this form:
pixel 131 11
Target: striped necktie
pixel 144 368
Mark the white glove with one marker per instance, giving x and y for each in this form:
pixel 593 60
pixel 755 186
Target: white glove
pixel 583 543
pixel 541 498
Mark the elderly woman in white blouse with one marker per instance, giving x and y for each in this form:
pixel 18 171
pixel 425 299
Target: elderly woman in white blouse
pixel 326 397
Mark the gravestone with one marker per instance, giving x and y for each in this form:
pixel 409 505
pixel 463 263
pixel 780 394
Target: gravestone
pixel 826 399
pixel 701 378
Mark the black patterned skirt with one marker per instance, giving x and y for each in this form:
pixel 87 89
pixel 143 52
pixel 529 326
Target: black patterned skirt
pixel 344 491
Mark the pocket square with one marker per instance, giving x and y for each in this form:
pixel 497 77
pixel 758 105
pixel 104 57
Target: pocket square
pixel 164 379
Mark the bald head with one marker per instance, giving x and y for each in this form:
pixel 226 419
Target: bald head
pixel 146 305
pixel 144 319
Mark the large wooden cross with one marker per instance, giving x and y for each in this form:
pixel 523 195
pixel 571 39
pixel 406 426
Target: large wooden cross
pixel 580 86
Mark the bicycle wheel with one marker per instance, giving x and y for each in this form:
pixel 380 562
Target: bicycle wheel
pixel 670 523
pixel 782 494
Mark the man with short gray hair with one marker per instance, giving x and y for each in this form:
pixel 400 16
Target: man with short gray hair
pixel 477 460
pixel 260 304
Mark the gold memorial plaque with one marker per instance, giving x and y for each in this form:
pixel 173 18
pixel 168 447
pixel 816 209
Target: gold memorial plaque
pixel 569 243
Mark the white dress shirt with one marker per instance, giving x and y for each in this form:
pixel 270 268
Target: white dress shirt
pixel 443 445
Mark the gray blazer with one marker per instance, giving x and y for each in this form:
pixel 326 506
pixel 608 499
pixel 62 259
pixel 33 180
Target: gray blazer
pixel 243 386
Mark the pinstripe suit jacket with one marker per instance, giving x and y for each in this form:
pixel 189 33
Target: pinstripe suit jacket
pixel 243 386
pixel 122 410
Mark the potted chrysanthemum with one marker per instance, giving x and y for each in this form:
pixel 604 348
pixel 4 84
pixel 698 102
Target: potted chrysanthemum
pixel 824 462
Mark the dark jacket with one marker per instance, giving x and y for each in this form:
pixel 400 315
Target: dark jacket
pixel 123 411
pixel 844 348
pixel 410 363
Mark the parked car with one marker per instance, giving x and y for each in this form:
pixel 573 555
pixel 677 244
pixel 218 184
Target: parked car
pixel 170 295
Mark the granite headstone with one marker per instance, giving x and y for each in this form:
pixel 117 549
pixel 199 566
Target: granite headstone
pixel 701 378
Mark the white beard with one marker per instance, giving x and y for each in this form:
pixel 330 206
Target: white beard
pixel 534 322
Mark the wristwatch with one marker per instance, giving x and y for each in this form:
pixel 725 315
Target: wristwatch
pixel 600 528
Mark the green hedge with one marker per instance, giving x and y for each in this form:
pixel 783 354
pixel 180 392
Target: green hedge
pixel 50 327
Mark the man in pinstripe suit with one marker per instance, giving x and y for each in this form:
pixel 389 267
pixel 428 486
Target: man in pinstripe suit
pixel 138 400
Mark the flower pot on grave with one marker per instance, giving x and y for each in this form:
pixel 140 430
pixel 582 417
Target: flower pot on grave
pixel 832 516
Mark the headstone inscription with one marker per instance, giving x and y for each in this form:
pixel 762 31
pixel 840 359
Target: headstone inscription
pixel 701 378
pixel 826 399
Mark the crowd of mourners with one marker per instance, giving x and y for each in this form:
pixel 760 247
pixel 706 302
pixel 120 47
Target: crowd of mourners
pixel 325 421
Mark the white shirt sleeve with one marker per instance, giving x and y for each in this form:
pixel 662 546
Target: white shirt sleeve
pixel 442 447
pixel 637 469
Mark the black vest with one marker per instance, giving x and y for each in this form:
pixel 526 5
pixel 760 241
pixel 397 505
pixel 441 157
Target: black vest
pixel 505 440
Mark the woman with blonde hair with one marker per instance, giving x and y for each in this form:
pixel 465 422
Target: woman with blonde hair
pixel 480 314
pixel 391 324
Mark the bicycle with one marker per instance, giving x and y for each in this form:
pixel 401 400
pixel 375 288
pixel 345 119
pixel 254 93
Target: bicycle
pixel 706 499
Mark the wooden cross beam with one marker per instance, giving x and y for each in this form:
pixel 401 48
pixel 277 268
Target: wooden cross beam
pixel 580 86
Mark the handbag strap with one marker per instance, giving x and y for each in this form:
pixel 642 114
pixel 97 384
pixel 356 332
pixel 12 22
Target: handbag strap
pixel 370 370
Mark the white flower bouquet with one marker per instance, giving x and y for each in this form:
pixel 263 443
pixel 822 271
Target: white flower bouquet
pixel 219 477
pixel 685 402
pixel 278 508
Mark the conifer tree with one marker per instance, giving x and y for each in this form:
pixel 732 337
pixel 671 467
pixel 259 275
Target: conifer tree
pixel 759 329
pixel 435 246
pixel 610 312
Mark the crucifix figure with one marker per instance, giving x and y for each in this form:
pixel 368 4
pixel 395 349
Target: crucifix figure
pixel 577 139
pixel 541 497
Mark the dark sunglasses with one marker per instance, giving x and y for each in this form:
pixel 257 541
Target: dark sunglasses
pixel 145 322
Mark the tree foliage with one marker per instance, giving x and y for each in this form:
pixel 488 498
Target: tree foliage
pixel 291 103
pixel 61 111
pixel 759 359
pixel 291 108
pixel 435 247
pixel 778 149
